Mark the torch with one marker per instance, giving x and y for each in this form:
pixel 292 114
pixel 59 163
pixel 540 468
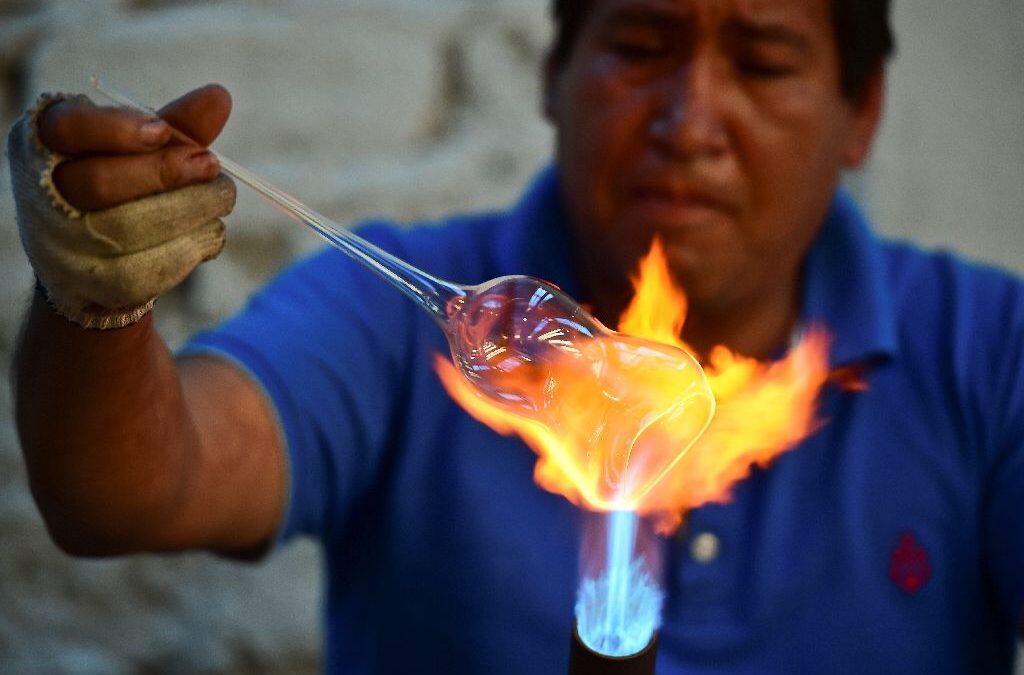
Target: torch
pixel 618 605
pixel 615 419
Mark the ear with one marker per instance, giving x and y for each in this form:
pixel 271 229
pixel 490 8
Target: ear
pixel 867 112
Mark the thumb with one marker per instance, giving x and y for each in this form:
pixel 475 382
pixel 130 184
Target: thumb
pixel 200 114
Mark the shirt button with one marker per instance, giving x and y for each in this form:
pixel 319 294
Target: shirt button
pixel 705 547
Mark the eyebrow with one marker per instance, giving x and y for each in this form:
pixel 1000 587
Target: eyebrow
pixel 657 14
pixel 644 14
pixel 754 31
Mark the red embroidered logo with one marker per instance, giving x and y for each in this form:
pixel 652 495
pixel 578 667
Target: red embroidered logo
pixel 909 567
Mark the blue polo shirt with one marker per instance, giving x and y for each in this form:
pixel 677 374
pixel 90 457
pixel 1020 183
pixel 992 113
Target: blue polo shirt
pixel 890 541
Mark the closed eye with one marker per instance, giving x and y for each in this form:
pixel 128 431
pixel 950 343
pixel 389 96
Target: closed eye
pixel 638 49
pixel 765 69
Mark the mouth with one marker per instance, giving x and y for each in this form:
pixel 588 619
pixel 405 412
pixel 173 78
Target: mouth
pixel 673 207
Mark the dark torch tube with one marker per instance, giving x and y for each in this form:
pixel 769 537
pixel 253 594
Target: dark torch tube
pixel 585 661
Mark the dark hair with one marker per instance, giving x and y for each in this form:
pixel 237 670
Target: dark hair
pixel 862 30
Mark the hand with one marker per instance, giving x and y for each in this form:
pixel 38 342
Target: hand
pixel 113 210
pixel 117 155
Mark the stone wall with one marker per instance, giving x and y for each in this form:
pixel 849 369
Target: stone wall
pixel 407 108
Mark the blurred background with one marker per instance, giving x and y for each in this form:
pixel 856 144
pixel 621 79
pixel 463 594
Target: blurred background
pixel 408 109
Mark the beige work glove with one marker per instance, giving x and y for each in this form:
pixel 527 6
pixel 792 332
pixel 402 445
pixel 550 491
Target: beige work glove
pixel 104 269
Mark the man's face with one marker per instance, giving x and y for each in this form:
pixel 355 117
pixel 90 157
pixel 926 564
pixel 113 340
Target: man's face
pixel 717 124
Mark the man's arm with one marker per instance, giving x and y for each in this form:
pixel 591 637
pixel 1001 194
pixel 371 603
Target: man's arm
pixel 128 451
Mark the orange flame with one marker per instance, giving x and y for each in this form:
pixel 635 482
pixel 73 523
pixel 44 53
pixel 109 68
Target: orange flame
pixel 658 434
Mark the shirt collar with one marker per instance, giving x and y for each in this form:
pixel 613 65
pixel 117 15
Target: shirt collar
pixel 845 288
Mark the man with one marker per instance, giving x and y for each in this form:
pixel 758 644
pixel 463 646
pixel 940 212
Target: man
pixel 889 541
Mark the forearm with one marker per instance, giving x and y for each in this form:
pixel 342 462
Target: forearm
pixel 105 431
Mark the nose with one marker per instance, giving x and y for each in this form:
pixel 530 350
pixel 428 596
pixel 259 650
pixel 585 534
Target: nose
pixel 688 122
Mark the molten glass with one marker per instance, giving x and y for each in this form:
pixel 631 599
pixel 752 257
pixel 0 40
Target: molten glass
pixel 632 422
pixel 616 412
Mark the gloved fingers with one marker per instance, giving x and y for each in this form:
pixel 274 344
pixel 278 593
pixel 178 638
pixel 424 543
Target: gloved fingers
pixel 77 126
pixel 136 278
pixel 103 268
pixel 146 223
pixel 100 182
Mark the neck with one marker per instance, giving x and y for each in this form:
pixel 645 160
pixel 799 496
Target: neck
pixel 758 329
